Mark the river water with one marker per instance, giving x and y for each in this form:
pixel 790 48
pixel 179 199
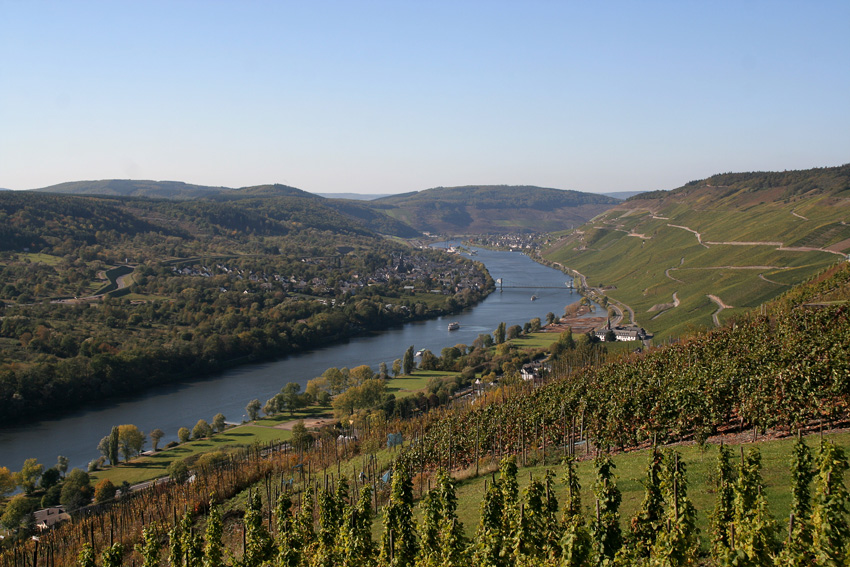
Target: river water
pixel 76 435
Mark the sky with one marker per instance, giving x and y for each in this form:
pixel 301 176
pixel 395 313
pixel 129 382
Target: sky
pixel 396 96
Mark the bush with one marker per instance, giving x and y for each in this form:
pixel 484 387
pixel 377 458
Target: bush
pixel 95 464
pixel 178 471
pixel 104 491
pixel 212 459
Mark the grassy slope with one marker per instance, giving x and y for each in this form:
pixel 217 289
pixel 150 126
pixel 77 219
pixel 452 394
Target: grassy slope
pixel 605 253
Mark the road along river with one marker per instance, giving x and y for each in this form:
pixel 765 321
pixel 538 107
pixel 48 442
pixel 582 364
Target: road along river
pixel 76 435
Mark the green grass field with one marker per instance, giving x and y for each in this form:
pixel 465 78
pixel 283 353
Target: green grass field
pixel 40 258
pixel 146 468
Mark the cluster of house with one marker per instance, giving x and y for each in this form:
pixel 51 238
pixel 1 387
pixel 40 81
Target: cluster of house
pixel 628 333
pixel 518 242
pixel 445 277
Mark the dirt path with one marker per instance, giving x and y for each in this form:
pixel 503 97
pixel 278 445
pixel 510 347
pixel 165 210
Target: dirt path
pixel 308 423
pixel 798 215
pixel 720 307
pixel 664 307
pixel 779 245
pixel 771 281
pixel 698 235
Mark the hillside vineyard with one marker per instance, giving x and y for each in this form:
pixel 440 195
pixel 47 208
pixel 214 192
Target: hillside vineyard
pixel 784 368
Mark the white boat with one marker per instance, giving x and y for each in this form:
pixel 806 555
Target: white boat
pixel 533 298
pixel 454 326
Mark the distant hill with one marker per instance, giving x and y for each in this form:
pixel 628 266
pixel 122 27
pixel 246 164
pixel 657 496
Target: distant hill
pixel 623 195
pixel 135 188
pixel 492 208
pixel 354 196
pixel 699 254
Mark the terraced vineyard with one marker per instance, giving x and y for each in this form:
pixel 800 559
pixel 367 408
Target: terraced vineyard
pixel 743 238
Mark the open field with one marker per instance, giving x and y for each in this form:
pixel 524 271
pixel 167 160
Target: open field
pixel 150 467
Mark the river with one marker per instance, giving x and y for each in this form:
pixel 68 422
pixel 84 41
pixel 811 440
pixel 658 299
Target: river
pixel 76 435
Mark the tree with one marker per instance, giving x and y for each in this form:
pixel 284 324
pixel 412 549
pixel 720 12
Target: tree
pixel 183 434
pixel 290 397
pixel 500 333
pixel 218 422
pixel 104 490
pixel 28 476
pixel 301 438
pixel 49 478
pixel 407 361
pixel 202 429
pixel 16 512
pixel 396 367
pixel 178 471
pixel 113 446
pixel 62 464
pixel 103 446
pixel 130 440
pixel 270 407
pixel 484 340
pixel 335 379
pixel 534 325
pixel 7 482
pixel 382 371
pixel 428 360
pixel 514 331
pixel 360 374
pixel 550 318
pixel 76 490
pixel 156 435
pixel 253 409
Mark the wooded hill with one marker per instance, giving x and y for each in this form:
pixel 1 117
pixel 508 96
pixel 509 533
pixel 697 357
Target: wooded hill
pixel 481 209
pixel 489 209
pixel 105 295
pixel 742 238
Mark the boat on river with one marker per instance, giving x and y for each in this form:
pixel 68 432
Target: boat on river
pixel 454 326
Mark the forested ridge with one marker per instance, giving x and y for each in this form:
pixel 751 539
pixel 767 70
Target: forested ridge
pixel 826 180
pixel 245 276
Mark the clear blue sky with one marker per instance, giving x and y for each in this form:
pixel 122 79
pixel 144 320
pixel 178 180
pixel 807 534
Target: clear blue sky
pixel 387 97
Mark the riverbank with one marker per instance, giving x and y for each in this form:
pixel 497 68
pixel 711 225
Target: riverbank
pixel 75 433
